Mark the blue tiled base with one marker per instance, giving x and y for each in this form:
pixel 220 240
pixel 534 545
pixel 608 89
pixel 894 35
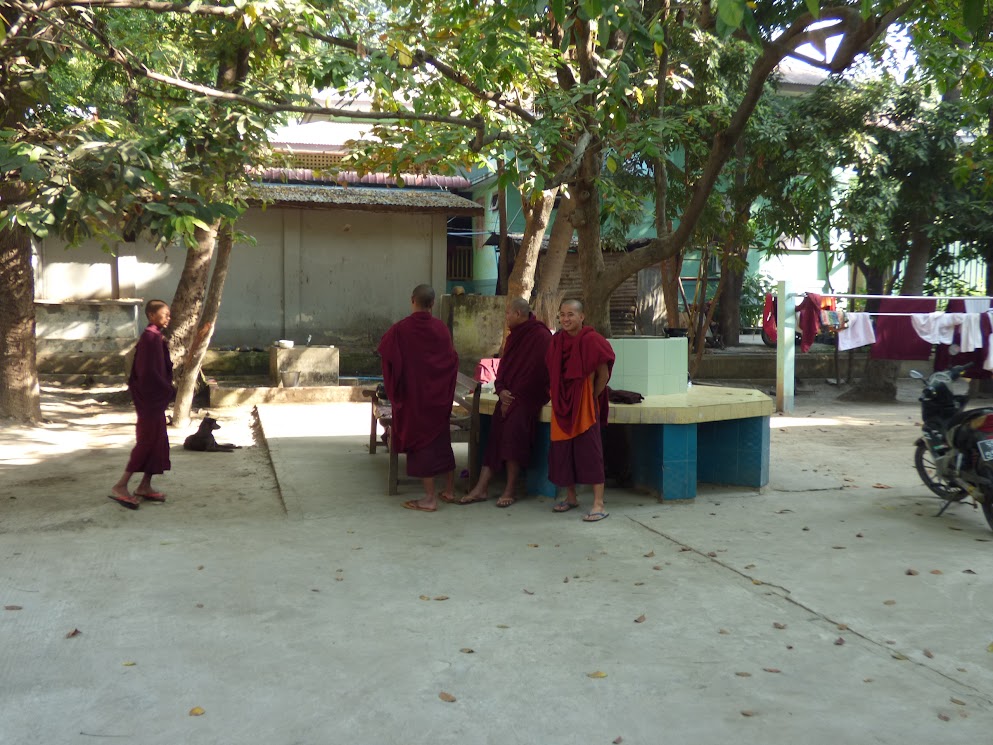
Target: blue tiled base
pixel 669 459
pixel 735 452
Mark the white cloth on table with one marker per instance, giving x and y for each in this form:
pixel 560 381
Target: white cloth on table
pixel 858 333
pixel 971 336
pixel 937 327
pixel 976 305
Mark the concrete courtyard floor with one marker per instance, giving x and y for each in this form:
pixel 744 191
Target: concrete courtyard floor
pixel 294 602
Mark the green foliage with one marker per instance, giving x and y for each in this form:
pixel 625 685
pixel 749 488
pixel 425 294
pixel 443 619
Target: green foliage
pixel 754 288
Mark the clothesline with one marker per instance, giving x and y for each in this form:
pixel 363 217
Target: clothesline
pixel 894 297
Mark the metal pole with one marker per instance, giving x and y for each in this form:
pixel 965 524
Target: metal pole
pixel 785 348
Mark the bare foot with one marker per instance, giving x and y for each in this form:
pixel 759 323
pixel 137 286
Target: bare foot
pixel 506 500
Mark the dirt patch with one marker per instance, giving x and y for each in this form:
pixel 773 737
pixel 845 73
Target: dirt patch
pixel 56 476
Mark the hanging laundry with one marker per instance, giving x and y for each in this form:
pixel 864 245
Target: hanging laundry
pixel 937 327
pixel 810 320
pixel 971 333
pixel 858 333
pixel 946 356
pixel 895 335
pixel 973 304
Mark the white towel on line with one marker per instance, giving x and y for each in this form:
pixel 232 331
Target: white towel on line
pixel 971 336
pixel 976 304
pixel 858 333
pixel 937 327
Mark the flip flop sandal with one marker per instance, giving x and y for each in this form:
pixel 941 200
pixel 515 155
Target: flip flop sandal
pixel 595 517
pixel 464 500
pixel 124 502
pixel 412 505
pixel 564 506
pixel 152 496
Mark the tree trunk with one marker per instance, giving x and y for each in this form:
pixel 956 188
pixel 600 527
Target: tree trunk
pixel 198 349
pixel 187 303
pixel 596 295
pixel 20 396
pixel 917 260
pixel 547 294
pixel 729 308
pixel 536 214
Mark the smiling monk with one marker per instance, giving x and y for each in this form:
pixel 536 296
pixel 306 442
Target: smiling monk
pixel 579 363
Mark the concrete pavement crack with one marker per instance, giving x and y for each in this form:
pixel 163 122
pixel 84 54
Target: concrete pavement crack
pixel 787 596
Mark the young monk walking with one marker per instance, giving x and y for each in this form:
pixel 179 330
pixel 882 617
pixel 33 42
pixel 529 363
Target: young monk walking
pixel 420 369
pixel 579 364
pixel 151 389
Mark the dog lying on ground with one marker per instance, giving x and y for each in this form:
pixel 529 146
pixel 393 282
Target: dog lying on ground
pixel 203 440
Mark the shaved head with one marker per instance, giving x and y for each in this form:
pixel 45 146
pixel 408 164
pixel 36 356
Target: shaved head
pixel 520 305
pixel 576 305
pixel 423 297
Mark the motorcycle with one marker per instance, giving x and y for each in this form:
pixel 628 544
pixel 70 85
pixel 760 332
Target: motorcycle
pixel 954 455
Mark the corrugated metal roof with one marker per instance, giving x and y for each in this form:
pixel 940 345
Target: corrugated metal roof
pixel 364 198
pixel 283 175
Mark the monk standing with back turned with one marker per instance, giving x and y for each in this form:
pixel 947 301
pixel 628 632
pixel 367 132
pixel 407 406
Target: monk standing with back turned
pixel 420 368
pixel 579 363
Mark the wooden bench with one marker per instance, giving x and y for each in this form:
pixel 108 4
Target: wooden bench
pixel 464 424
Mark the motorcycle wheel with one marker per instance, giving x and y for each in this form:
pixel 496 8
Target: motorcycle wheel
pixel 927 469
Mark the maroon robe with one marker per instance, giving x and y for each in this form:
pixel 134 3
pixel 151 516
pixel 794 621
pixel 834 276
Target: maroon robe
pixel 523 372
pixel 571 361
pixel 151 389
pixel 420 366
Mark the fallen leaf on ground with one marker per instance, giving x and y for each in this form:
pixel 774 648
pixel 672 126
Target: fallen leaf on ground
pixel 618 740
pixel 898 656
pixel 842 627
pixel 566 580
pixel 650 554
pixel 129 663
pixel 749 566
pixel 597 674
pixel 944 717
pixel 867 680
pixel 881 486
pixel 442 597
pixel 953 527
pixel 778 625
pixel 748 713
pixel 199 605
pixel 526 592
pixel 339 579
pixel 744 675
pixel 962 669
pixel 74 632
pixel 638 584
pixel 640 619
pixel 957 701
pixel 12 607
pixel 532 545
pixel 685 548
pixel 782 512
pixel 723 631
pixel 990 647
pixel 772 669
pixel 837 547
pixel 756 582
pixel 447 697
pixel 929 654
pixel 889 602
pixel 936 571
pixel 502 626
pixel 858 535
pixel 200 567
pixel 839 641
pixel 467 650
pixel 314 589
pixel 712 554
pixel 196 711
pixel 967 571
pixel 424 597
pixel 912 572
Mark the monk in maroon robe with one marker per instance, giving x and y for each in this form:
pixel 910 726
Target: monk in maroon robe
pixel 151 389
pixel 420 368
pixel 579 364
pixel 522 385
